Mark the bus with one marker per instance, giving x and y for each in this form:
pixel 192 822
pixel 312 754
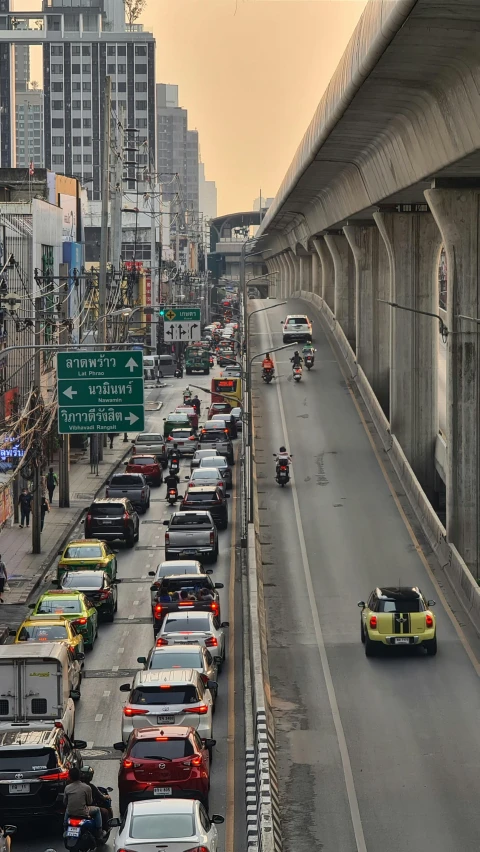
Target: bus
pixel 197 359
pixel 227 390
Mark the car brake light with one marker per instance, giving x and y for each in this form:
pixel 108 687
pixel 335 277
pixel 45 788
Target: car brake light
pixel 212 537
pixel 195 761
pixel 192 438
pixel 105 594
pixel 142 493
pixel 127 764
pixel 75 821
pixel 212 642
pixel 429 620
pixel 215 607
pixel 158 609
pixel 80 621
pixel 131 711
pixel 161 641
pixel 89 518
pixel 373 622
pixel 204 678
pixel 200 711
pixel 126 517
pixel 167 538
pixel 186 603
pixel 57 776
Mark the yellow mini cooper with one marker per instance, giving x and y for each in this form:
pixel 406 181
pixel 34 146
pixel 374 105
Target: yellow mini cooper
pixel 397 616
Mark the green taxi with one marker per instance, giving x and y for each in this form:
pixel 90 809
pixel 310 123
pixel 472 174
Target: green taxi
pixel 87 554
pixel 73 606
pixel 175 420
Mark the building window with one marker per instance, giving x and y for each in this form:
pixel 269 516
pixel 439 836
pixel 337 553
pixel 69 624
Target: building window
pixel 121 50
pixel 140 69
pixel 56 50
pixel 87 122
pixel 111 50
pixel 76 141
pixel 56 69
pixel 140 105
pixel 57 104
pixel 75 50
pixel 121 68
pixel 76 122
pixel 77 158
pixel 76 87
pixel 140 87
pixel 76 104
pixel 122 87
pixel 87 158
pixel 87 104
pixel 57 159
pixel 87 141
pixel 140 50
pixel 57 123
pixel 86 50
pixel 141 122
pixel 111 68
pixel 86 68
pixel 86 87
pixel 36 108
pixel 57 87
pixel 58 140
pixel 75 68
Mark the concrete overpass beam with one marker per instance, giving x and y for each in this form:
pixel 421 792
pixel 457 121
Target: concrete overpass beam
pixel 283 275
pixel 344 266
pixel 457 213
pixel 372 273
pixel 316 274
pixel 292 279
pixel 412 241
pixel 328 273
pixel 305 271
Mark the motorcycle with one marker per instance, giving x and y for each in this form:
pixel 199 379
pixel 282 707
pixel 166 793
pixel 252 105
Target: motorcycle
pixel 172 496
pixel 282 473
pixel 268 374
pixel 79 833
pixel 174 465
pixel 187 396
pixel 309 361
pixel 297 373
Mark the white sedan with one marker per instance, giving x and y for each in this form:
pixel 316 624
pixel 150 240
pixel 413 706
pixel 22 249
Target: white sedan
pixel 170 826
pixel 190 628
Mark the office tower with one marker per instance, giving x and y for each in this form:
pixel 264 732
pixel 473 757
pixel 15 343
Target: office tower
pixel 207 194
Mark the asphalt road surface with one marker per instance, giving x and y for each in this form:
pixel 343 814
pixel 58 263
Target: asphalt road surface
pixel 377 754
pixel 114 658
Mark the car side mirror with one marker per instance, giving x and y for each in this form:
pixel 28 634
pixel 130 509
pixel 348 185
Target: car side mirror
pixel 55 582
pixel 361 604
pixel 187 477
pixel 227 495
pixel 153 588
pixel 212 684
pixel 60 552
pixel 9 830
pixel 151 573
pixel 114 823
pixel 80 655
pixel 142 660
pixel 208 570
pixel 166 523
pixel 219 585
pixel 125 687
pixel 431 603
pixel 217 819
pixel 80 744
pixel 119 746
pixel 31 606
pixel 225 624
pixel 209 743
pixel 133 440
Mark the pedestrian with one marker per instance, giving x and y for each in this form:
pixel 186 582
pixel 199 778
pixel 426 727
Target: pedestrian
pixel 44 507
pixel 25 503
pixel 52 482
pixel 111 436
pixel 3 577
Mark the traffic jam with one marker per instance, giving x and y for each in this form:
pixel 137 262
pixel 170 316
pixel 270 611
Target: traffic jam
pixel 165 715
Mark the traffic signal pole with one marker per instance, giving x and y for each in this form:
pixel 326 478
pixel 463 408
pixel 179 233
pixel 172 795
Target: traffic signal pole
pixel 64 456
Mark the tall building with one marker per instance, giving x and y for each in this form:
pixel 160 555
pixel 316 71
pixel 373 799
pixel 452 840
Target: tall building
pixel 177 152
pixel 29 128
pixel 207 194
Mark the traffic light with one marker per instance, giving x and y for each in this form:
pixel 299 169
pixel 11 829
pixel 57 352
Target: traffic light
pixel 162 312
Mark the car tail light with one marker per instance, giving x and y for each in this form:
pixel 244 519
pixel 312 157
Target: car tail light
pixel 158 609
pixel 204 678
pixel 215 607
pixel 192 438
pixel 373 622
pixel 186 603
pixel 105 594
pixel 75 821
pixel 126 518
pixel 429 620
pixel 80 621
pixel 200 711
pixel 127 764
pixel 194 761
pixel 131 711
pixel 57 776
pixel 212 642
pixel 161 641
pixel 106 492
pixel 89 518
pixel 167 538
pixel 142 493
pixel 212 537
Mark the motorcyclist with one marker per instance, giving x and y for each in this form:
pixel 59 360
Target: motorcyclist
pixel 78 801
pixel 283 457
pixel 267 363
pixel 196 404
pixel 175 455
pixel 172 481
pixel 99 799
pixel 308 349
pixel 297 359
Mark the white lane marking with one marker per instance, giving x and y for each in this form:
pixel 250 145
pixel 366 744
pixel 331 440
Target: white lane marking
pixel 332 698
pixel 131 617
pixel 115 668
pixel 99 717
pixel 106 693
pixel 120 650
pixel 135 603
pixel 140 588
pixel 90 744
pixel 147 566
pixel 144 576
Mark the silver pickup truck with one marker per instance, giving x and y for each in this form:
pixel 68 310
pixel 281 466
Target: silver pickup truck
pixel 191 535
pixel 133 486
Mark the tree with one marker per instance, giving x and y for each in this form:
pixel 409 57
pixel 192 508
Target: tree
pixel 34 85
pixel 133 10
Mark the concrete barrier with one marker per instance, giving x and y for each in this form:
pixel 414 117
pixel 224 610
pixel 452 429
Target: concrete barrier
pixel 452 565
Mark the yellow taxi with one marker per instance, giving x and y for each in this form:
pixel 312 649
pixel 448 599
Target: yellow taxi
pixel 397 616
pixel 87 553
pixel 44 628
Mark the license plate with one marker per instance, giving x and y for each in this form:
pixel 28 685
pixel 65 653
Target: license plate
pixel 106 522
pixel 189 552
pixel 165 720
pixel 73 832
pixel 19 788
pixel 162 791
pixel 402 641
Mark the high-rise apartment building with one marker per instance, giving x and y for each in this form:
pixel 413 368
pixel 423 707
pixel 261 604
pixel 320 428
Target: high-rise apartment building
pixel 192 173
pixel 29 128
pixel 207 194
pixel 177 152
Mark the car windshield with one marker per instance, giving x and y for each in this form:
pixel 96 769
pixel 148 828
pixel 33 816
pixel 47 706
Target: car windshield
pixel 142 460
pixel 408 605
pixel 126 479
pixel 162 660
pixel 216 462
pixel 27 759
pixel 167 749
pixel 68 605
pixel 84 581
pixel 166 694
pixel 151 438
pixel 176 584
pixel 178 417
pixel 190 519
pixel 181 433
pixel 212 435
pixel 196 624
pixel 47 633
pixel 200 497
pixel 79 551
pixel 205 473
pixel 107 510
pixel 297 321
pixel 161 826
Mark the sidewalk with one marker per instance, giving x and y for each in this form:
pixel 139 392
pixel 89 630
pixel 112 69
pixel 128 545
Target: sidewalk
pixel 25 569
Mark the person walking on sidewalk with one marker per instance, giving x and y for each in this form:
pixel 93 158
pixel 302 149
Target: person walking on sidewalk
pixel 43 509
pixel 52 482
pixel 25 503
pixel 111 436
pixel 3 577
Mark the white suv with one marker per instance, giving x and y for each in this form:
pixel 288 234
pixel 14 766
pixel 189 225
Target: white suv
pixel 297 327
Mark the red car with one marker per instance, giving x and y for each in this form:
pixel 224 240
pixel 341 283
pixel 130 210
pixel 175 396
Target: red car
pixel 164 762
pixel 219 408
pixel 148 465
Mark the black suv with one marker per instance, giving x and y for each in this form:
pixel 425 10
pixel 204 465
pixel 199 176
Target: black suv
pixel 97 586
pixel 183 593
pixel 34 767
pixel 111 518
pixel 208 498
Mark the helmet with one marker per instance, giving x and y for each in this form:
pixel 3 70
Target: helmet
pixel 283 449
pixel 296 352
pixel 86 774
pixel 267 354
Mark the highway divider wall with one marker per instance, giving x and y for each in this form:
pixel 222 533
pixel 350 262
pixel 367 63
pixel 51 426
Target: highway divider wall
pixel 453 567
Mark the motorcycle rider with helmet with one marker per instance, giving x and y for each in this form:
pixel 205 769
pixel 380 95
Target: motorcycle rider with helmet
pixel 297 359
pixel 78 801
pixel 267 363
pixel 104 803
pixel 283 457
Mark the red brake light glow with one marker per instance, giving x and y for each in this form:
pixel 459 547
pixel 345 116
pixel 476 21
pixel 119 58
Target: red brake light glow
pixel 81 621
pixel 57 776
pixel 161 641
pixel 212 642
pixel 74 821
pixel 429 620
pixel 158 609
pixel 373 622
pixel 127 764
pixel 201 710
pixel 131 711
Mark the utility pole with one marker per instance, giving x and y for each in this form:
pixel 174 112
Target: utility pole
pixel 116 240
pixel 64 457
pixel 102 274
pixel 37 378
pixel 153 271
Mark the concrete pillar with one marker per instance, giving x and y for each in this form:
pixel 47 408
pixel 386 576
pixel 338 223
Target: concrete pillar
pixel 456 212
pixel 283 275
pixel 344 266
pixel 292 269
pixel 413 242
pixel 305 272
pixel 328 273
pixel 275 285
pixel 372 274
pixel 316 273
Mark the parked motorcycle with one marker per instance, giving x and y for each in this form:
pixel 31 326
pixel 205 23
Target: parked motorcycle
pixel 297 373
pixel 268 374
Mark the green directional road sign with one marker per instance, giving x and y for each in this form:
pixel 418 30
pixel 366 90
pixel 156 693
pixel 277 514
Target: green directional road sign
pixel 181 325
pixel 100 392
pixel 182 314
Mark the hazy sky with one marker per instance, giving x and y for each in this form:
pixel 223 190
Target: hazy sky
pixel 251 74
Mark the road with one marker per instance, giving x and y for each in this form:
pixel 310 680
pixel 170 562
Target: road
pixel 114 658
pixel 372 754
